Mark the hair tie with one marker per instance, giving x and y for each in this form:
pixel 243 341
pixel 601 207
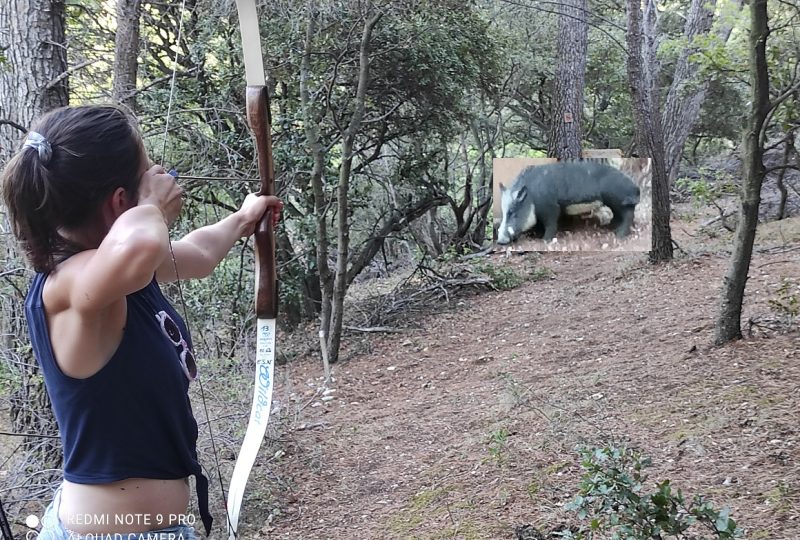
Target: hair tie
pixel 41 145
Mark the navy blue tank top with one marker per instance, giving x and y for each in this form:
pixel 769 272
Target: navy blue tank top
pixel 131 419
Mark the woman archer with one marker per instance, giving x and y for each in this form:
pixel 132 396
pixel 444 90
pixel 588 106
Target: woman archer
pixel 92 215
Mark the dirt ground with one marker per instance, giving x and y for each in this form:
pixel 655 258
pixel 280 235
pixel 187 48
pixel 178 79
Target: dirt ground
pixel 464 425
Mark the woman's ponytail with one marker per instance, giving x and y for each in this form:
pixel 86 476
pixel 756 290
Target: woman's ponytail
pixel 68 164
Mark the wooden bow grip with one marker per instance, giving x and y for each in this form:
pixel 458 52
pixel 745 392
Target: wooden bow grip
pixel 258 116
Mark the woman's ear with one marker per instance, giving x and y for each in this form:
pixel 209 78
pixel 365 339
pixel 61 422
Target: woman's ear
pixel 118 202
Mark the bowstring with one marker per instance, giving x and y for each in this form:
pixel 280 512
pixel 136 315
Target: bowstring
pixel 172 82
pixel 175 263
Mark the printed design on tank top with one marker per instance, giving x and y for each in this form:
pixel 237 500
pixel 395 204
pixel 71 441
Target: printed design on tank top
pixel 173 332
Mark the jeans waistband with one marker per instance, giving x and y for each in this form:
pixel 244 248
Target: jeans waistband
pixel 54 529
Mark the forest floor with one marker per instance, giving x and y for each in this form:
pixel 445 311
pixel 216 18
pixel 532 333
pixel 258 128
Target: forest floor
pixel 465 425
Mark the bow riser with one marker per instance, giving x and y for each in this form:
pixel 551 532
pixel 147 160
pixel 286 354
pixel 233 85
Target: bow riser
pixel 266 281
pixel 259 119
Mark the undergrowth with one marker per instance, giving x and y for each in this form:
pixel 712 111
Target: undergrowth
pixel 613 502
pixel 786 302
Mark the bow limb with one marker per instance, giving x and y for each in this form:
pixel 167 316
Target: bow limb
pixel 258 117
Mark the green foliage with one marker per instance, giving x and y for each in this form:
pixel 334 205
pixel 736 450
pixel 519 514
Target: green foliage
pixel 783 56
pixel 428 62
pixel 453 253
pixel 787 300
pixel 723 114
pixel 503 277
pixel 433 57
pixel 705 192
pixel 613 498
pixel 540 273
pixel 721 67
pixel 608 110
pixel 497 443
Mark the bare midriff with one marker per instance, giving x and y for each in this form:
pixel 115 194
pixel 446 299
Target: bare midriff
pixel 131 505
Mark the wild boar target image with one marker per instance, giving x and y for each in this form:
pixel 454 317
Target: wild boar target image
pixel 546 200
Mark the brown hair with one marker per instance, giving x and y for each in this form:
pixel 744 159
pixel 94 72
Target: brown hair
pixel 93 151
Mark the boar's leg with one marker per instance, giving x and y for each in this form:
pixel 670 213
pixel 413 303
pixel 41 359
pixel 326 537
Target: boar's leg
pixel 623 219
pixel 548 215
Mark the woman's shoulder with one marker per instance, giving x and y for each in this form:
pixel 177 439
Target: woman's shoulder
pixel 58 289
pixel 82 340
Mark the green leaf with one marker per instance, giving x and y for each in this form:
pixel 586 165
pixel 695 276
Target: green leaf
pixel 574 504
pixel 723 519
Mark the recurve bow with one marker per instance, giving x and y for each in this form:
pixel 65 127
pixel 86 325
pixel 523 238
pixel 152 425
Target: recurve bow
pixel 258 117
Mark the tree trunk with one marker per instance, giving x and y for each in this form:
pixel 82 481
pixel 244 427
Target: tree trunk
pixel 788 150
pixel 311 122
pixel 34 78
pixel 464 206
pixel 343 234
pixel 642 72
pixel 126 44
pixel 566 127
pixel 33 81
pixel 307 305
pixel 733 284
pixel 483 193
pixel 435 231
pixel 686 93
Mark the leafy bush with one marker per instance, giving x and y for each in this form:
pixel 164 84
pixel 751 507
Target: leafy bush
pixel 786 302
pixel 503 278
pixel 710 193
pixel 613 499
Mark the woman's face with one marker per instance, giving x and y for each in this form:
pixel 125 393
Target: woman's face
pixel 144 165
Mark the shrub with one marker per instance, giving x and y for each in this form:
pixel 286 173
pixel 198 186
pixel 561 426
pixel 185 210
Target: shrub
pixel 613 499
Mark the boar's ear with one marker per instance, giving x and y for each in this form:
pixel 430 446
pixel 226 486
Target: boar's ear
pixel 520 195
